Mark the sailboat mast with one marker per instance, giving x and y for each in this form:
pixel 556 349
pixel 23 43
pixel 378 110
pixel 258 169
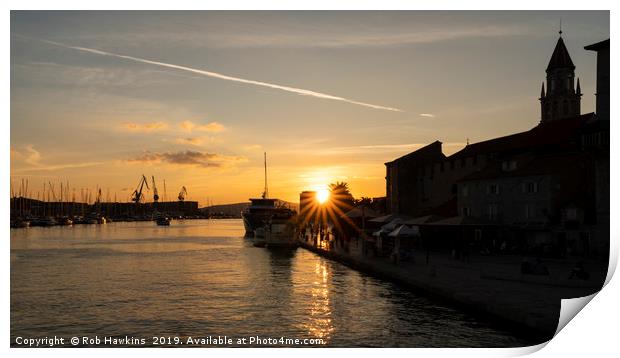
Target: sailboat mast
pixel 266 192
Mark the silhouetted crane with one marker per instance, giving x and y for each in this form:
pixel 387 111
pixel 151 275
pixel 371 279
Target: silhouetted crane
pixel 137 196
pixel 182 194
pixel 155 195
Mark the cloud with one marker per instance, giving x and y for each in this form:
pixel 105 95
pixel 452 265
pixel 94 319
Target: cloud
pixel 348 31
pixel 29 155
pixel 187 157
pixel 145 127
pixel 363 38
pixel 59 166
pixel 209 127
pixel 430 115
pixel 189 140
pixel 300 91
pixel 33 156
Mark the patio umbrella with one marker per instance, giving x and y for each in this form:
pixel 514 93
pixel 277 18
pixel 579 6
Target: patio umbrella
pixel 392 224
pixel 405 231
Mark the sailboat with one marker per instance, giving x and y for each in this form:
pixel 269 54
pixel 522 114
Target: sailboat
pixel 267 222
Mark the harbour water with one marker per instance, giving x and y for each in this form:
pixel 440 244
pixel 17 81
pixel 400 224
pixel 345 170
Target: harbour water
pixel 201 278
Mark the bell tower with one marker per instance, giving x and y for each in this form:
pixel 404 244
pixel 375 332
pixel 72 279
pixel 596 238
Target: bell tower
pixel 561 99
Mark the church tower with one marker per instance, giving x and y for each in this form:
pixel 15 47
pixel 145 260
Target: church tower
pixel 562 99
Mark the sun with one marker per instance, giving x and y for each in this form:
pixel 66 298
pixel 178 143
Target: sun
pixel 322 195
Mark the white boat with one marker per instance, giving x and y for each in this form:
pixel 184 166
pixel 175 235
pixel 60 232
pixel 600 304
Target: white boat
pixel 275 234
pixel 263 211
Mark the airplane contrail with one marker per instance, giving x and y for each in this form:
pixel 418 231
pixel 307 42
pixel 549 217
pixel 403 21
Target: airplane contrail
pixel 299 91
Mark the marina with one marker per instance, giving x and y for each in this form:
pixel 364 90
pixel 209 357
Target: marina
pixel 69 208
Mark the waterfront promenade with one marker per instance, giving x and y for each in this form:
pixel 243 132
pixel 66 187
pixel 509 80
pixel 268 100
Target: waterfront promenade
pixel 489 285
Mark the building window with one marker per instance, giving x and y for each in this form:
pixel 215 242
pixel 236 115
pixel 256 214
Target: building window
pixel 571 214
pixel 529 187
pixel 493 189
pixel 492 211
pixel 466 211
pixel 528 212
pixel 509 165
pixel 465 190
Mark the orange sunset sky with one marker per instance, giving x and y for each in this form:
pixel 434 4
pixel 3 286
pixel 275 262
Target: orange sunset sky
pixel 195 98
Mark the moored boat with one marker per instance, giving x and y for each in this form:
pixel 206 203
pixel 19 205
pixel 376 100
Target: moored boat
pixel 65 221
pixel 275 234
pixel 161 219
pixel 265 214
pixel 44 221
pixel 19 223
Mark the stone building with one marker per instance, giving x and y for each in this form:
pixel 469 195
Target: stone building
pixel 548 185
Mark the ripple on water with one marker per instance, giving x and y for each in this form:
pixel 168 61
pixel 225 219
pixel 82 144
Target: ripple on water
pixel 200 278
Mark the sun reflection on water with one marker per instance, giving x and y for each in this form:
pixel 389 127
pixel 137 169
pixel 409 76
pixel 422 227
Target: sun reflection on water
pixel 320 318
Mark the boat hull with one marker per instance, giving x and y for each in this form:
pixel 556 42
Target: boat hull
pixel 275 234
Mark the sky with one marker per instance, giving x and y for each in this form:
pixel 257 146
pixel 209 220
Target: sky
pixel 195 98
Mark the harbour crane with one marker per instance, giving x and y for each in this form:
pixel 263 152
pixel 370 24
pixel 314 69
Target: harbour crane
pixel 137 196
pixel 155 195
pixel 182 193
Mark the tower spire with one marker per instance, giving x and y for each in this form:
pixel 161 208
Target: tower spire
pixel 561 99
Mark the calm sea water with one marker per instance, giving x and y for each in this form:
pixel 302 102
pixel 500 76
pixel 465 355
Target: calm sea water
pixel 201 278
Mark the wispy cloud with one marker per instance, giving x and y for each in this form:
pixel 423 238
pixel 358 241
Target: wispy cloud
pixel 29 155
pixel 91 76
pixel 347 32
pixel 33 156
pixel 399 37
pixel 145 127
pixel 300 91
pixel 55 167
pixel 190 126
pixel 187 157
pixel 189 140
pixel 430 115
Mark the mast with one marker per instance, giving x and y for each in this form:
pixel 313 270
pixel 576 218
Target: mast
pixel 266 192
pixel 165 190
